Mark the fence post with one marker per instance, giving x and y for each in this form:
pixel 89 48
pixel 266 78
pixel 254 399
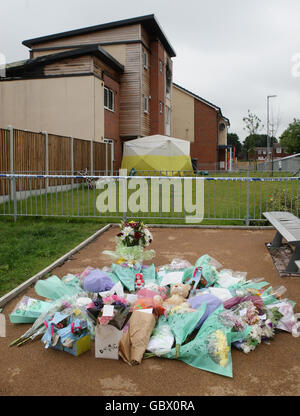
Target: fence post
pixel 72 159
pixel 12 171
pixel 92 156
pixel 123 192
pixel 248 194
pixel 106 159
pixel 45 133
pixel 125 199
pixel 112 154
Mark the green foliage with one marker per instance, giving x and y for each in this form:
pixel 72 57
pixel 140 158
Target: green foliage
pixel 258 140
pixel 285 200
pixel 290 138
pixel 233 139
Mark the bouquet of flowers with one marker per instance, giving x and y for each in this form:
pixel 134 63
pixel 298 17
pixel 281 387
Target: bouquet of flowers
pixel 131 241
pixel 218 347
pixel 134 233
pixel 121 312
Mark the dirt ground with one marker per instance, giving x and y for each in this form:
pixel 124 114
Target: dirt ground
pixel 270 370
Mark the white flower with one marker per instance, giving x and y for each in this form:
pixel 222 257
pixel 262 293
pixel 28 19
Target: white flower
pixel 148 235
pixel 245 348
pixel 127 231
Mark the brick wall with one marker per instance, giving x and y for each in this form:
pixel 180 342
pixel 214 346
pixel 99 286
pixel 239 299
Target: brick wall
pixel 204 147
pixel 157 89
pixel 111 120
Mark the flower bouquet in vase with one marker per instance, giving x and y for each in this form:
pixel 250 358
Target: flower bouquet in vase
pixel 131 242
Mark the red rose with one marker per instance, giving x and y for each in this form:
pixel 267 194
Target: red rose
pixel 137 235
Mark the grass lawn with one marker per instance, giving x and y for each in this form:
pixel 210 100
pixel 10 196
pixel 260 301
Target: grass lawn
pixel 224 201
pixel 31 244
pixel 56 223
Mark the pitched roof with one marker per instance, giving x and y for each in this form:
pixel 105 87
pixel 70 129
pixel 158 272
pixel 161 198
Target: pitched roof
pixel 15 68
pixel 203 100
pixel 149 22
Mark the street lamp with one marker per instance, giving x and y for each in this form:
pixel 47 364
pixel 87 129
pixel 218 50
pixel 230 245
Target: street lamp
pixel 268 136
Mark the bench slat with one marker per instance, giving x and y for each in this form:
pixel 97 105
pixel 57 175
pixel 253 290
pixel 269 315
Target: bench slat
pixel 286 223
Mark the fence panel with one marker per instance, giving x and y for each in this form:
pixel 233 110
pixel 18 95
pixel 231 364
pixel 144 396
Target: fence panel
pixel 44 153
pixel 4 159
pixel 227 199
pixel 99 157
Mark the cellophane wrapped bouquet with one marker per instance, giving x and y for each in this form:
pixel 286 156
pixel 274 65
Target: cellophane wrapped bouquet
pixel 131 242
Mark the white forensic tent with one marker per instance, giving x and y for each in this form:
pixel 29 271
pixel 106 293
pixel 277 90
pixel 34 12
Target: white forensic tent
pixel 157 153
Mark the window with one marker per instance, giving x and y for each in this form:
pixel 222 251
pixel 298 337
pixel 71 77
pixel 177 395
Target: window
pixel 168 79
pixel 278 150
pixel 109 99
pixel 146 104
pixel 145 60
pixel 161 107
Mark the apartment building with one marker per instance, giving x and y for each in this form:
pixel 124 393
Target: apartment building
pixel 112 81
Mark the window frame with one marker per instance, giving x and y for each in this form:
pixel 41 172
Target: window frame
pixel 145 60
pixel 110 94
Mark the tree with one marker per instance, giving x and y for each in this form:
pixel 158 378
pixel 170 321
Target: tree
pixel 233 139
pixel 290 138
pixel 253 123
pixel 257 140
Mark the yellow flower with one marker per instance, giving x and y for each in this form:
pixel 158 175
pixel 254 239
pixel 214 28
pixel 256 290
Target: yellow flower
pixel 221 348
pixel 120 261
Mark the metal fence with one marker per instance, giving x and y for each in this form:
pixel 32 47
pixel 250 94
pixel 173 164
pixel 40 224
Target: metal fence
pixel 287 164
pixel 154 199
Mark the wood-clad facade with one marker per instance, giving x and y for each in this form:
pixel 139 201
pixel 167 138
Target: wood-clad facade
pixel 118 34
pixel 70 66
pixel 127 45
pixel 129 61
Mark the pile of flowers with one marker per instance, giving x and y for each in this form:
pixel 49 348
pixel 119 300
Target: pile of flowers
pixel 199 328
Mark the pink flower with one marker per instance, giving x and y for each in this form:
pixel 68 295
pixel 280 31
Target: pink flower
pixel 107 300
pixel 103 320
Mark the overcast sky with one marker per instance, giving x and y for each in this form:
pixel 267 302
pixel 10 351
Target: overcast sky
pixel 231 52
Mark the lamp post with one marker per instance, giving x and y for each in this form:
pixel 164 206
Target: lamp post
pixel 268 135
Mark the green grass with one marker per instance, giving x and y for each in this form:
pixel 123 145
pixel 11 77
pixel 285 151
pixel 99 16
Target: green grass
pixel 31 244
pixel 225 202
pixel 57 222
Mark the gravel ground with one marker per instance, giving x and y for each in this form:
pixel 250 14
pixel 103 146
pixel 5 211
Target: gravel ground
pixel 270 370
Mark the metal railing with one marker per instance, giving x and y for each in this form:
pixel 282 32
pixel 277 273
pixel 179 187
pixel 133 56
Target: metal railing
pixel 169 199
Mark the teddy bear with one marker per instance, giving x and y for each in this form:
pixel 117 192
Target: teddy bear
pixel 179 293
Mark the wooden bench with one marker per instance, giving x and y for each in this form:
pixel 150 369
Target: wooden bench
pixel 288 227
